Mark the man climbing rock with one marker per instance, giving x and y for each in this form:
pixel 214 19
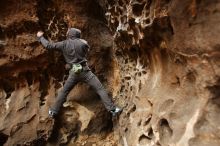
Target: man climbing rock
pixel 74 51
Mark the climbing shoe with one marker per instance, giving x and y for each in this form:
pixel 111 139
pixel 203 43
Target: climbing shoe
pixel 116 111
pixel 52 113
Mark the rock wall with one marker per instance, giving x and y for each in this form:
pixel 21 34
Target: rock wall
pixel 168 56
pixel 159 59
pixel 31 76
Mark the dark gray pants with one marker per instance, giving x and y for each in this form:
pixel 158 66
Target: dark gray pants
pixel 89 78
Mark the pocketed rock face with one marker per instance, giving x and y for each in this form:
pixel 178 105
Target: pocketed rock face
pixel 168 57
pixel 31 76
pixel 163 68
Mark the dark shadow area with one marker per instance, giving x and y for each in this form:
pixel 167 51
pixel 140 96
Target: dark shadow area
pixel 40 142
pixel 47 12
pixel 144 140
pixel 44 85
pixel 8 86
pixel 29 78
pixel 215 90
pixel 3 138
pixel 54 137
pixel 165 131
pixel 137 9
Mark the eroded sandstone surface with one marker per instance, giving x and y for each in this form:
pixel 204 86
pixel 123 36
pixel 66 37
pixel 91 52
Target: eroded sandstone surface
pixel 31 76
pixel 168 56
pixel 159 59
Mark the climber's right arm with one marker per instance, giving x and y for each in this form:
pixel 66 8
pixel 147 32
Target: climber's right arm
pixel 49 45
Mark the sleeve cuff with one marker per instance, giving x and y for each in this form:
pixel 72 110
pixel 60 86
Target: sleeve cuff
pixel 39 38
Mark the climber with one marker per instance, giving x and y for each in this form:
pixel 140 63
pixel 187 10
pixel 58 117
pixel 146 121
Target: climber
pixel 74 51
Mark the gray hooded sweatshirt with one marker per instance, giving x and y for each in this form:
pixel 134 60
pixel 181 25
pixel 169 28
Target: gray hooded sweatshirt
pixel 73 48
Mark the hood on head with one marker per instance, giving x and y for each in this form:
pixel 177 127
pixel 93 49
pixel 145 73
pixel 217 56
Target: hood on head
pixel 73 33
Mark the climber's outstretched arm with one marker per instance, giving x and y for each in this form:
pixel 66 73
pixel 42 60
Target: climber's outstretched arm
pixel 49 45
